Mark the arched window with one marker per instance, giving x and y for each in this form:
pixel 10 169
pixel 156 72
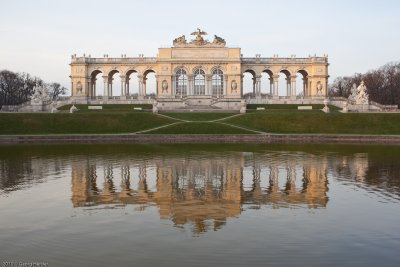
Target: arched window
pixel 199 82
pixel 181 81
pixel 217 82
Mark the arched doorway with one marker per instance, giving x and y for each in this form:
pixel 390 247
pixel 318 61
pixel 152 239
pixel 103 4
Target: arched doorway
pixel 149 84
pixel 267 83
pixel 96 84
pixel 284 83
pixel 131 84
pixel 249 83
pixel 180 83
pixel 199 77
pixel 217 82
pixel 114 83
pixel 302 83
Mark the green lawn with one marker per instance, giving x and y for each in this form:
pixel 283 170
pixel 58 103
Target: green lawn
pixel 59 123
pixel 198 116
pixel 312 122
pixel 271 122
pixel 200 128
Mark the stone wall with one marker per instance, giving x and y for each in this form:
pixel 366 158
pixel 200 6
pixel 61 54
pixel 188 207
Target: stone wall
pixel 206 138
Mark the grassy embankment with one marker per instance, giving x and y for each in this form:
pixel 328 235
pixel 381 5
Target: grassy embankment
pixel 274 119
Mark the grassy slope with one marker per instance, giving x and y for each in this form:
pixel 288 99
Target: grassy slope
pixel 319 122
pixel 285 121
pixel 200 128
pixel 45 123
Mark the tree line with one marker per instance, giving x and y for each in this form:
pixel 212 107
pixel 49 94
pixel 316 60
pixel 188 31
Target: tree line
pixel 383 84
pixel 17 88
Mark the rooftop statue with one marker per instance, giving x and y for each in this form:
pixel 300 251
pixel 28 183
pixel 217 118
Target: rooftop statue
pixel 218 40
pixel 180 41
pixel 199 40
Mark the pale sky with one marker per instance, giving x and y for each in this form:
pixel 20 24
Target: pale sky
pixel 39 36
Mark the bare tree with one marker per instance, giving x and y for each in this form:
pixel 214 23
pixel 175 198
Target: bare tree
pixel 55 90
pixel 383 84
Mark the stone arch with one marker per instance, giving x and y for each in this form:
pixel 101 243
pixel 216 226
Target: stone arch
pixel 284 82
pixel 149 85
pixel 199 81
pixel 213 68
pixel 95 82
pixel 131 81
pixel 110 81
pixel 177 68
pixel 302 82
pixel 267 82
pixel 201 67
pixel 246 83
pixel 217 81
pixel 181 81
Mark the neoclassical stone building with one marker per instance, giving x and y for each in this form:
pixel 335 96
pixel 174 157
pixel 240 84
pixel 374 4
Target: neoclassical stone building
pixel 198 72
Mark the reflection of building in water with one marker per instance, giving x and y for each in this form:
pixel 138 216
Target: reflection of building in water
pixel 203 192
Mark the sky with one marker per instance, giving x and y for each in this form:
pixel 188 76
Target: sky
pixel 38 37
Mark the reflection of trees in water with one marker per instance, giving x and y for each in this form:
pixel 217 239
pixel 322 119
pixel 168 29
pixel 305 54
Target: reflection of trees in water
pixel 17 174
pixel 379 175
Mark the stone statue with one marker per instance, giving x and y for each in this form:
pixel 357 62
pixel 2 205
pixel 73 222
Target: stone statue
pixel 199 38
pixel 155 108
pixel 319 89
pixel 79 88
pixel 234 86
pixel 73 109
pixel 353 93
pixel 40 93
pixel 199 34
pixel 164 86
pixel 362 97
pixel 179 41
pixel 219 41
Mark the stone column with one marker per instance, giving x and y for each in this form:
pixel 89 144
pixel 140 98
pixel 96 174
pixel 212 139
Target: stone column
pixel 89 88
pixel 225 88
pixel 105 80
pixel 173 90
pixel 157 85
pixel 208 84
pixel 276 86
pixel 241 85
pixel 140 86
pixel 191 82
pixel 144 86
pixel 254 85
pixel 72 88
pixel 288 91
pixel 258 86
pixel 127 78
pixel 271 85
pixel 122 85
pixel 293 86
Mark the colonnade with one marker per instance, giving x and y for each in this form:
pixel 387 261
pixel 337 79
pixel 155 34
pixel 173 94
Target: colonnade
pixel 125 88
pixel 274 86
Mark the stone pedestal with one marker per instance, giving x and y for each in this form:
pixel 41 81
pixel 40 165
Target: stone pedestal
pixel 326 108
pixel 243 106
pixel 79 99
pixel 345 108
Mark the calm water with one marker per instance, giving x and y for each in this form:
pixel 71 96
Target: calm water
pixel 129 205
